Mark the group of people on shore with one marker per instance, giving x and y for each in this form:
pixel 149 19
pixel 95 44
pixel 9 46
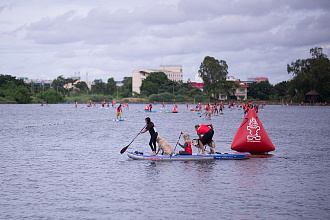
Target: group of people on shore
pixel 205 133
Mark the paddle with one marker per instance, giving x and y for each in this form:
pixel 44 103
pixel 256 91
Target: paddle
pixel 125 148
pixel 176 145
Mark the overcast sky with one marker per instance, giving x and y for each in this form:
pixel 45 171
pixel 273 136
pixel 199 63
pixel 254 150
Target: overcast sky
pixel 257 38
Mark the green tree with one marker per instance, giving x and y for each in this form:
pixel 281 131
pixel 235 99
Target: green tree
pixel 213 72
pixel 60 82
pixel 81 87
pixel 260 90
pixel 280 89
pixel 310 74
pixel 155 83
pixel 51 96
pixel 99 87
pixel 13 92
pixel 229 88
pixel 4 79
pixel 127 84
pixel 111 86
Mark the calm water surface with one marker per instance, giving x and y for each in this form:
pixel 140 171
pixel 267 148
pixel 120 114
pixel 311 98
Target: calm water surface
pixel 59 162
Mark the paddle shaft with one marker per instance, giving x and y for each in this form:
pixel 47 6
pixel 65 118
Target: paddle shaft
pixel 175 145
pixel 125 148
pixel 202 114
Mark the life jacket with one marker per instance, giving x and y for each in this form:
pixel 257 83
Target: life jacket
pixel 188 148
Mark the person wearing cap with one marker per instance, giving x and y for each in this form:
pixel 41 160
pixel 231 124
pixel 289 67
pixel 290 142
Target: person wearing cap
pixel 207 131
pixel 153 134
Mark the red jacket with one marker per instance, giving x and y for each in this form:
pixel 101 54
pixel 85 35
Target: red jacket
pixel 188 149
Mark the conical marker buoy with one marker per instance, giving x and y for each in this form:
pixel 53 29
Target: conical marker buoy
pixel 251 136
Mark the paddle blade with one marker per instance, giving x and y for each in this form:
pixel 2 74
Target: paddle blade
pixel 123 150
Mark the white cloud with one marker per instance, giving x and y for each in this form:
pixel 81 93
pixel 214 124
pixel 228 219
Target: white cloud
pixel 112 38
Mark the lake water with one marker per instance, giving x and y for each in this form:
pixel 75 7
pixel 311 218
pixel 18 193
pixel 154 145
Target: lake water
pixel 59 162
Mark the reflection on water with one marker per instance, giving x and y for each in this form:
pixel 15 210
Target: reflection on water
pixel 59 162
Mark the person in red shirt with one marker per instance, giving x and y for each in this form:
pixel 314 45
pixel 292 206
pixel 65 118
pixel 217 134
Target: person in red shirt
pixel 216 108
pixel 208 111
pixel 119 111
pixel 207 131
pixel 186 145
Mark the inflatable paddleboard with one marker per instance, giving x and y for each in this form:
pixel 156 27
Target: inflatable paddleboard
pixel 147 111
pixel 119 119
pixel 219 156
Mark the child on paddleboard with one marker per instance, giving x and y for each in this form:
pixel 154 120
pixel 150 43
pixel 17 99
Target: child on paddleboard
pixel 186 145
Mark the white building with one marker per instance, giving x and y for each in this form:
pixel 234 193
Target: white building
pixel 173 73
pixel 71 85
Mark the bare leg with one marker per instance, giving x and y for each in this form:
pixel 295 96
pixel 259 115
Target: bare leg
pixel 201 147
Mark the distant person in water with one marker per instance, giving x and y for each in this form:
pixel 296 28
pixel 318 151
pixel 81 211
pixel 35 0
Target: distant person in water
pixel 216 109
pixel 153 134
pixel 119 111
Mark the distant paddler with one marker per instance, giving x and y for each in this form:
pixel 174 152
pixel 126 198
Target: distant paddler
pixel 119 111
pixel 215 109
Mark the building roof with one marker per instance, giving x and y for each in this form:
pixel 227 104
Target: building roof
pixel 241 84
pixel 312 92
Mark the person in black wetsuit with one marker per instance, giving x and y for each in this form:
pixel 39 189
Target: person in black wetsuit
pixel 153 134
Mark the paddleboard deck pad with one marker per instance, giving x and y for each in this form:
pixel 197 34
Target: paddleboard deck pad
pixel 219 156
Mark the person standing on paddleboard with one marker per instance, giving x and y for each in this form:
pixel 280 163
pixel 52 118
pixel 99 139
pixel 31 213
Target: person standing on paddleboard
pixel 207 131
pixel 119 111
pixel 153 134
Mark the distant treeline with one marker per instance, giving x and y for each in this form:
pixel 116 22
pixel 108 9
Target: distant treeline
pixel 312 74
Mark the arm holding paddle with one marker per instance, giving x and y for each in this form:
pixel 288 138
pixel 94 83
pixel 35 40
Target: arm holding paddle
pixel 144 131
pixel 125 148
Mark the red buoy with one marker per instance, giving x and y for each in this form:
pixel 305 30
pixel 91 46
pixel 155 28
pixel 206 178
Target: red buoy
pixel 251 136
pixel 146 108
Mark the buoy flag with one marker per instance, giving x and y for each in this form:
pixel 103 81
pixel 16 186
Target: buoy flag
pixel 251 136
